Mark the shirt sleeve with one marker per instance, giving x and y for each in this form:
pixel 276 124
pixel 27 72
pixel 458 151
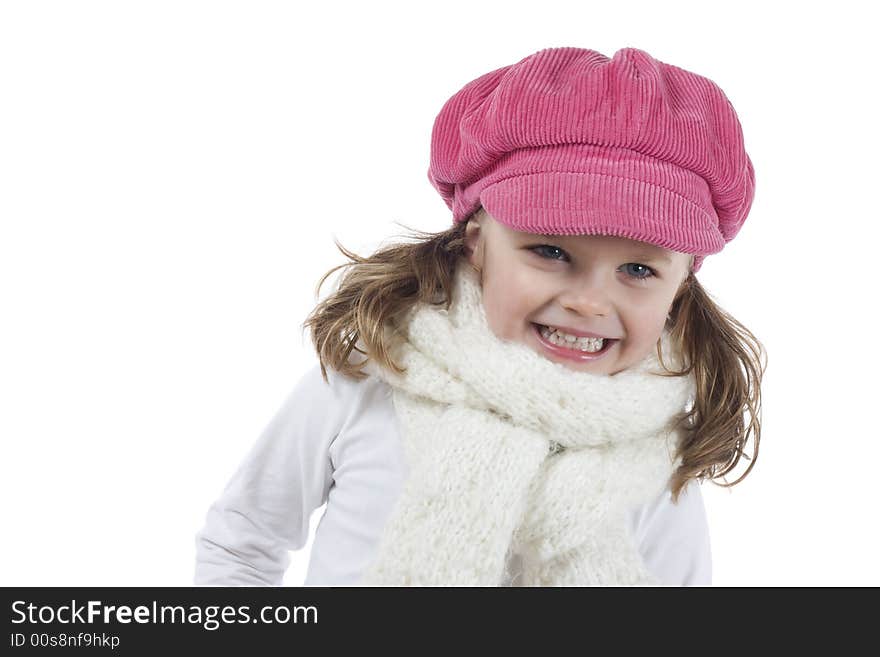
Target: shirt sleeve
pixel 264 510
pixel 674 538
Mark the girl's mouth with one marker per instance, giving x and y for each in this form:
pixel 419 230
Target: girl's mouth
pixel 570 350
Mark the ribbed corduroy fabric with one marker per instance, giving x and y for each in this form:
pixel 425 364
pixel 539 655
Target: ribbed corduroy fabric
pixel 568 141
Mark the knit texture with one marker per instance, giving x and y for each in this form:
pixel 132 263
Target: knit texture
pixel 510 451
pixel 569 141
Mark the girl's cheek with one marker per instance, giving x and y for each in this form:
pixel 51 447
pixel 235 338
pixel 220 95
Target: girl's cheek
pixel 495 315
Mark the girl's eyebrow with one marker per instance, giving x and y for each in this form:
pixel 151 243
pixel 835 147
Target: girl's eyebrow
pixel 655 257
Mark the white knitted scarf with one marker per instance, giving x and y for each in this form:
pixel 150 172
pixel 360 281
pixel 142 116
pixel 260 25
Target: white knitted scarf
pixel 510 452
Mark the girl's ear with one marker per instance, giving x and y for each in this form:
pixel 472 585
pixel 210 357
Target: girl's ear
pixel 473 239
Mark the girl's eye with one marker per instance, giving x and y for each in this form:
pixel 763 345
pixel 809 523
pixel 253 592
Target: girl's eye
pixel 645 272
pixel 550 248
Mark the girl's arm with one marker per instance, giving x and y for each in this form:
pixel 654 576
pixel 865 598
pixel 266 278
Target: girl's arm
pixel 674 539
pixel 264 510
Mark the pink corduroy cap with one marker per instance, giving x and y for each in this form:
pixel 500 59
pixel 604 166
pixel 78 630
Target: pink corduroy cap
pixel 568 141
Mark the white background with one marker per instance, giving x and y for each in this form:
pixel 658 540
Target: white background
pixel 172 177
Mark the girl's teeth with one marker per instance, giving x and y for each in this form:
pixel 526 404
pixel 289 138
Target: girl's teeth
pixel 571 341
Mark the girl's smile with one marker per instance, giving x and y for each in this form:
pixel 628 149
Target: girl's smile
pixel 558 347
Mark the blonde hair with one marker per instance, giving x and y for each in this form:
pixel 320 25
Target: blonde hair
pixel 724 356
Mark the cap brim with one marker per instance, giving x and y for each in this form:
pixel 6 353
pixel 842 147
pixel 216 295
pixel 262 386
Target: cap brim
pixel 567 203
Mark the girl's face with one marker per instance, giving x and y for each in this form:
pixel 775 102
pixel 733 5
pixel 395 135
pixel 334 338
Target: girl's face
pixel 612 287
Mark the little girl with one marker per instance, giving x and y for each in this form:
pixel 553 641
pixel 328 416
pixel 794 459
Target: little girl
pixel 533 396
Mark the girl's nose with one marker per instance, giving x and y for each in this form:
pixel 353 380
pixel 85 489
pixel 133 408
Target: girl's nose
pixel 587 299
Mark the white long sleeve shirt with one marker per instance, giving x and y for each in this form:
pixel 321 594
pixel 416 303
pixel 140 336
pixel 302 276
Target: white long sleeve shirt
pixel 339 444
